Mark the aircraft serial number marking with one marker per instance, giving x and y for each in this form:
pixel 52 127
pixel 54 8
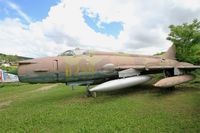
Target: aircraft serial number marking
pixel 75 70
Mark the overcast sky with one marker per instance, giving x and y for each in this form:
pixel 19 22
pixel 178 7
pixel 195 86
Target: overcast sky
pixel 39 28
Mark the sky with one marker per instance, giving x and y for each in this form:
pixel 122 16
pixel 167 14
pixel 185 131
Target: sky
pixel 40 28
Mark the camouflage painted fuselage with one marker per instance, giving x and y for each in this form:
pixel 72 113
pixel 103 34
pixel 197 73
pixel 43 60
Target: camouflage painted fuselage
pixel 96 67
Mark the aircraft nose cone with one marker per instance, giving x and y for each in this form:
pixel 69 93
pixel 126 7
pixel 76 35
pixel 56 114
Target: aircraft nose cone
pixel 40 70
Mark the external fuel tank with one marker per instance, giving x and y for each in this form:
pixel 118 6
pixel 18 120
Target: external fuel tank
pixel 120 83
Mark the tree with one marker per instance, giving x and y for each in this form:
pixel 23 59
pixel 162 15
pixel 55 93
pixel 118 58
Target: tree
pixel 186 38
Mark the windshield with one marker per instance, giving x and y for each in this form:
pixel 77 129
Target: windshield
pixel 73 52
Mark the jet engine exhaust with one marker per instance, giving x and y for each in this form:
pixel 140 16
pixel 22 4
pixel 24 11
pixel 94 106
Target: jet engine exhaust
pixel 120 83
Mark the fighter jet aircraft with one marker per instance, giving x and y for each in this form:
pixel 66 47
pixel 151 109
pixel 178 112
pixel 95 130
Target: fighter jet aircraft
pixel 110 70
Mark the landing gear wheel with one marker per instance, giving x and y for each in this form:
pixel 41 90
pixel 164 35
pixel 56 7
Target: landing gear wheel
pixel 89 94
pixel 94 94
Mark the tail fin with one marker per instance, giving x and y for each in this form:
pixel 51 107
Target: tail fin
pixel 171 53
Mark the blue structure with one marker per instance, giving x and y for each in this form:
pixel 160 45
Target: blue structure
pixel 6 77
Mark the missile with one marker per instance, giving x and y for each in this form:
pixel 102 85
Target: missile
pixel 120 83
pixel 172 81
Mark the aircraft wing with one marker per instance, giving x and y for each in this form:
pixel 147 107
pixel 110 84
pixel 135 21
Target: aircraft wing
pixel 159 67
pixel 128 67
pixel 144 67
pixel 188 67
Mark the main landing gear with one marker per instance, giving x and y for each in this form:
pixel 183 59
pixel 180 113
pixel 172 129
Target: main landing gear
pixel 169 73
pixel 89 93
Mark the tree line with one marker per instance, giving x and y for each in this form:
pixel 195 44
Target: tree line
pixel 186 38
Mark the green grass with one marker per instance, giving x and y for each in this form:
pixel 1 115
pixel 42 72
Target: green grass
pixel 60 109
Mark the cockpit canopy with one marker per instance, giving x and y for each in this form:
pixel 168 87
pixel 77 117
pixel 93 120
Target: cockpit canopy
pixel 74 52
pixel 78 52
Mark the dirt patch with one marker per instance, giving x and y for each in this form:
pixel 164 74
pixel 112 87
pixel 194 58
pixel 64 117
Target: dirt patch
pixel 45 88
pixel 4 104
pixel 7 101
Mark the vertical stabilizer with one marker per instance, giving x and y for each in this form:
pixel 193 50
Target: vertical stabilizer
pixel 171 53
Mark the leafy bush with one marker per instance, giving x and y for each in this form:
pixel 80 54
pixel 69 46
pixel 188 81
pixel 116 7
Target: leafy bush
pixel 186 38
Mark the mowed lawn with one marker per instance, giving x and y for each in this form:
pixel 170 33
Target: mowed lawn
pixel 56 108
